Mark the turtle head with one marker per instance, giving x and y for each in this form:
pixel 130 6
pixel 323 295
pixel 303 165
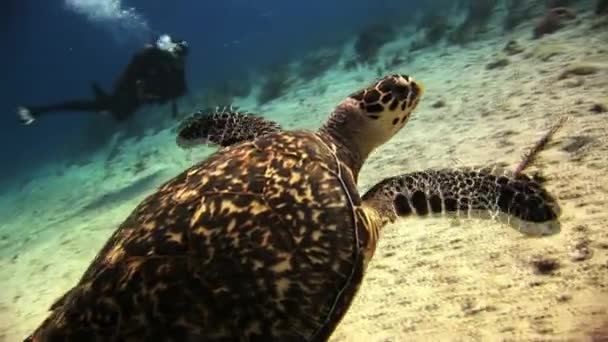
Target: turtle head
pixel 386 105
pixel 371 116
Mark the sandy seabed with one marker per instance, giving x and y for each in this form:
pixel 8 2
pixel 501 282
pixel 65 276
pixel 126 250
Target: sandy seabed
pixel 434 279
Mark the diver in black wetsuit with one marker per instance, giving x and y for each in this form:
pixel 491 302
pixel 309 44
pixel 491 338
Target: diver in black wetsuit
pixel 155 75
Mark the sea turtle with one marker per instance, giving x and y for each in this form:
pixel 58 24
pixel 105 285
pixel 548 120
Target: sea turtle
pixel 268 239
pixel 226 125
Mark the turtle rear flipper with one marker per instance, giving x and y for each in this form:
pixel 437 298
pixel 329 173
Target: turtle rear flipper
pixel 519 201
pixel 223 126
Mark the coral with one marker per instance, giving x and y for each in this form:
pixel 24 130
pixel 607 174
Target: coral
pixel 599 333
pixel 460 36
pixel 586 66
pixel 276 84
pixel 97 133
pixel 580 69
pixel 211 97
pixel 544 265
pixel 478 15
pixel 559 3
pixel 480 11
pixel 418 44
pixel 398 60
pixel 234 87
pixel 434 27
pixel 222 93
pixel 599 107
pixel 498 62
pixel 518 11
pixel 552 21
pixel 601 7
pixel 601 23
pixel 546 50
pixel 350 64
pixel 317 63
pixel 438 104
pixel 576 143
pixel 370 40
pixel 513 48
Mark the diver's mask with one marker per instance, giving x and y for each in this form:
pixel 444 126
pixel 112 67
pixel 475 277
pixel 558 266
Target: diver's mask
pixel 179 47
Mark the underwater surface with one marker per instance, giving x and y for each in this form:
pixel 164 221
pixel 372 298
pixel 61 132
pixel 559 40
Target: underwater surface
pixel 504 81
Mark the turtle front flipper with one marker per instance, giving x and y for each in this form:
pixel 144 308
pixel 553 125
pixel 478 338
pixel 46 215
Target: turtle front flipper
pixel 520 201
pixel 222 126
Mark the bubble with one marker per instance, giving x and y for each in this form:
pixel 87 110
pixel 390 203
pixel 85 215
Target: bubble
pixel 112 15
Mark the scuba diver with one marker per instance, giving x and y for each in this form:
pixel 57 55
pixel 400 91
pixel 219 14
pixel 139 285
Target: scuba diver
pixel 155 75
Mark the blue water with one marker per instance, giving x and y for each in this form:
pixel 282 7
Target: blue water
pixel 52 52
